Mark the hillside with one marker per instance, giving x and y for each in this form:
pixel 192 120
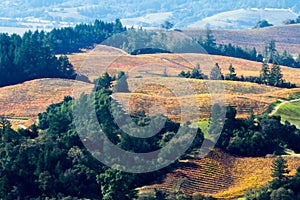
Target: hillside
pixel 244 18
pixel 219 174
pixel 287 37
pixel 32 97
pixel 61 13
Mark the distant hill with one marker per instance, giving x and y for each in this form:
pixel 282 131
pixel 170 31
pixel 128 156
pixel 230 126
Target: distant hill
pixel 287 37
pixel 48 14
pixel 244 18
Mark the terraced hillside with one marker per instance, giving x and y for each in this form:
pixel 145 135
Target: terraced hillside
pixel 218 174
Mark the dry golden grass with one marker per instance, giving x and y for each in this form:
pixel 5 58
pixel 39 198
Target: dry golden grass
pixel 33 97
pixel 246 97
pixel 102 58
pixel 148 86
pixel 220 175
pixel 146 69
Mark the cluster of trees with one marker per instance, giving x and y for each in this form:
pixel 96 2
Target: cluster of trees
pixel 73 39
pixel 255 136
pixel 292 21
pixel 262 24
pixel 196 73
pixel 282 187
pixel 26 58
pixel 268 76
pixel 269 54
pixel 34 54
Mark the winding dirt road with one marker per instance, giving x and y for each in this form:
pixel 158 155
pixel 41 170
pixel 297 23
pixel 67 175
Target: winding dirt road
pixel 282 103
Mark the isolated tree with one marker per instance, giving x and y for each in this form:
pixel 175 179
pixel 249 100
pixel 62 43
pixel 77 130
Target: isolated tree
pixel 279 172
pixel 122 84
pixel 275 77
pixel 270 53
pixel 165 74
pixel 167 25
pixel 264 73
pixel 232 74
pixel 215 73
pixel 209 39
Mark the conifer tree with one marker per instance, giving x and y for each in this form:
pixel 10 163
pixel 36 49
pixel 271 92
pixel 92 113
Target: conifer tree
pixel 264 73
pixel 275 77
pixel 215 73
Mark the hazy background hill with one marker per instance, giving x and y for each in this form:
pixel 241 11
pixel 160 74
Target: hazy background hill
pixel 183 13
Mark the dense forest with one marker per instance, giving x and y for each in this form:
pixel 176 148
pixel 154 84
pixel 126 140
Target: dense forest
pixel 33 55
pixel 50 160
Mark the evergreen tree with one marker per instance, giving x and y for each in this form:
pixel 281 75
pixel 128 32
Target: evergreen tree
pixel 215 73
pixel 270 54
pixel 264 73
pixel 279 172
pixel 232 74
pixel 122 85
pixel 209 39
pixel 104 82
pixel 275 77
pixel 197 73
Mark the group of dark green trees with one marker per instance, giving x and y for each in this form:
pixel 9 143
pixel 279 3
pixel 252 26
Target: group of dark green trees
pixel 255 136
pixel 34 55
pixel 268 76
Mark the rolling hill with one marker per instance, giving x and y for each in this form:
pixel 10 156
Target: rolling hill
pixel 218 174
pixel 58 13
pixel 244 18
pixel 149 86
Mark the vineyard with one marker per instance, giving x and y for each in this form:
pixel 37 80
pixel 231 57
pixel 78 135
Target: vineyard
pixel 218 174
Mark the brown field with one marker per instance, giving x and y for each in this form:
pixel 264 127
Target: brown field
pixel 286 37
pixel 33 97
pixel 219 174
pixel 148 85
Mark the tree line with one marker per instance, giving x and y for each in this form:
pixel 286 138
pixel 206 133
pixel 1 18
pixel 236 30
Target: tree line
pixel 165 42
pixel 268 75
pixel 34 55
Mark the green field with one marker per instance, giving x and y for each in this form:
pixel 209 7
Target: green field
pixel 290 112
